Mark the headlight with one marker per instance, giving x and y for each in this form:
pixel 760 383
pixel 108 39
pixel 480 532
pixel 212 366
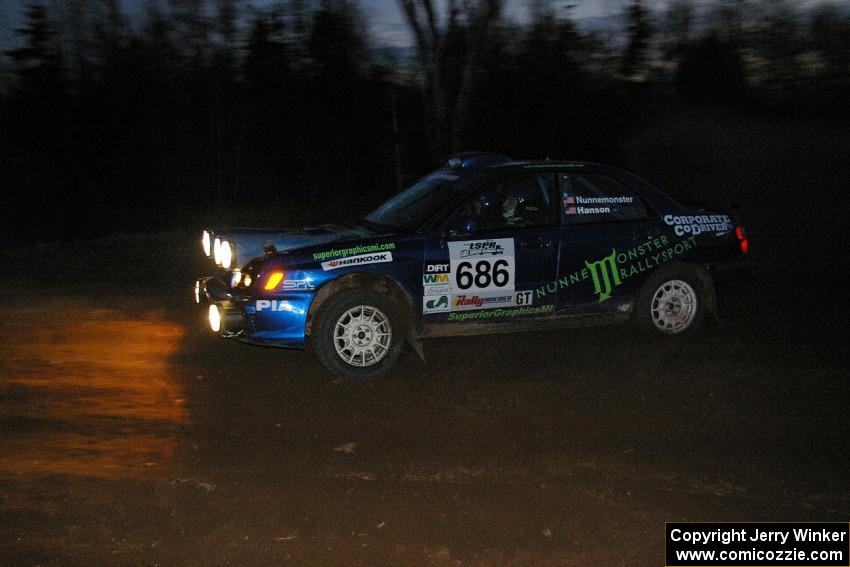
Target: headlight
pixel 246 281
pixel 217 250
pixel 235 278
pixel 197 292
pixel 206 243
pixel 228 254
pixel 215 318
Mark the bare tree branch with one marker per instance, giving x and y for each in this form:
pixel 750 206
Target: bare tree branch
pixel 446 111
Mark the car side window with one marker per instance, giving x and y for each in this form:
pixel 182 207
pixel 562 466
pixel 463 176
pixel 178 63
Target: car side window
pixel 516 202
pixel 593 197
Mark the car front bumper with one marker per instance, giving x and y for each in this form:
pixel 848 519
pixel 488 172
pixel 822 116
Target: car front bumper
pixel 278 320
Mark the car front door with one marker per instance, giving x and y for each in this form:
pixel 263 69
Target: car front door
pixel 496 250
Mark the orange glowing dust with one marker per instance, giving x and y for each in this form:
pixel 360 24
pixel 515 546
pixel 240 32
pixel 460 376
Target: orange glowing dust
pixel 86 391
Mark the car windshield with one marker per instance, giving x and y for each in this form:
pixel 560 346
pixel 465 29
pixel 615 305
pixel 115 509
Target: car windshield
pixel 416 204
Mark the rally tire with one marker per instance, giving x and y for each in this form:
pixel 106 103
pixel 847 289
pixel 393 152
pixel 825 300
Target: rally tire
pixel 673 303
pixel 358 334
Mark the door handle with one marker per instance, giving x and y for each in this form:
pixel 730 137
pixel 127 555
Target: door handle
pixel 537 243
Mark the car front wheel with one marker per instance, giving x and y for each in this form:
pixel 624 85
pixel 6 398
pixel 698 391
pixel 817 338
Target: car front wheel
pixel 358 335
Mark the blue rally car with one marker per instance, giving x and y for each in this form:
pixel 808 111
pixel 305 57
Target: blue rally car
pixel 482 245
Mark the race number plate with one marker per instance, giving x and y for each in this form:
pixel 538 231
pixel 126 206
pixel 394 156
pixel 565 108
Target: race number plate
pixel 482 266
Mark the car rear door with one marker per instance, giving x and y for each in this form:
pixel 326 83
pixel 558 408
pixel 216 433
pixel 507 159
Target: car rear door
pixel 605 240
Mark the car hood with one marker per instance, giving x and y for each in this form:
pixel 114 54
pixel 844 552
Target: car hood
pixel 253 242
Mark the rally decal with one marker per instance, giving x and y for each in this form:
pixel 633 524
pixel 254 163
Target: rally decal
pixel 482 265
pixel 463 302
pixel 577 205
pixel 436 303
pixel 480 274
pixel 437 289
pixel 298 285
pixel 436 278
pixel 697 224
pixel 432 279
pixel 489 300
pixel 273 305
pixel 360 249
pixel 610 271
pixel 378 258
pixel 502 313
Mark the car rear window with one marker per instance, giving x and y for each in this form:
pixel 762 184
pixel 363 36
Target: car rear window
pixel 593 197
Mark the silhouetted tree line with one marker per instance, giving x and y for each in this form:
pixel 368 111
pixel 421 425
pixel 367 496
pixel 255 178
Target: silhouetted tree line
pixel 204 107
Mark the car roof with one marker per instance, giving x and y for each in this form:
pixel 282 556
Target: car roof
pixel 471 168
pixel 469 163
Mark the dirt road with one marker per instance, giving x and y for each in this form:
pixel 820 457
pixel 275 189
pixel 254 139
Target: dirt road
pixel 129 435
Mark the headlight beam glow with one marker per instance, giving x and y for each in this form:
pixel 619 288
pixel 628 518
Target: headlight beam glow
pixel 205 243
pixel 228 256
pixel 217 251
pixel 215 318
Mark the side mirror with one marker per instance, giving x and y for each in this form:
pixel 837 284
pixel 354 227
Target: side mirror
pixel 461 225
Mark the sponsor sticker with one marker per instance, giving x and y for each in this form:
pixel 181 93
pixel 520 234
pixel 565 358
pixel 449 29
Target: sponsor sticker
pixel 297 285
pixel 474 301
pixel 439 289
pixel 480 248
pixel 502 313
pixel 273 305
pixel 376 258
pixel 610 271
pixel 465 302
pixel 524 297
pixel 351 251
pixel 429 279
pixel 433 268
pixel 436 304
pixel 697 224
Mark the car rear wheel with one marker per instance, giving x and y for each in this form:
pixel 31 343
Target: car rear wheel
pixel 358 334
pixel 672 303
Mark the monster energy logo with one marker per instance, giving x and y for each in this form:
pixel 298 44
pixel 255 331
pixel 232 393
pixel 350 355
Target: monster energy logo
pixel 605 275
pixel 613 270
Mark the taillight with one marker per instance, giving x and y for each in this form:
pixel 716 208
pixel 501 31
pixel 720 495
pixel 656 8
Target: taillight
pixel 743 242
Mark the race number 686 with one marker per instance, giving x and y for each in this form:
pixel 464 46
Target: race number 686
pixel 482 274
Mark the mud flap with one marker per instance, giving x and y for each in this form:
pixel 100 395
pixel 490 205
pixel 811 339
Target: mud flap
pixel 416 343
